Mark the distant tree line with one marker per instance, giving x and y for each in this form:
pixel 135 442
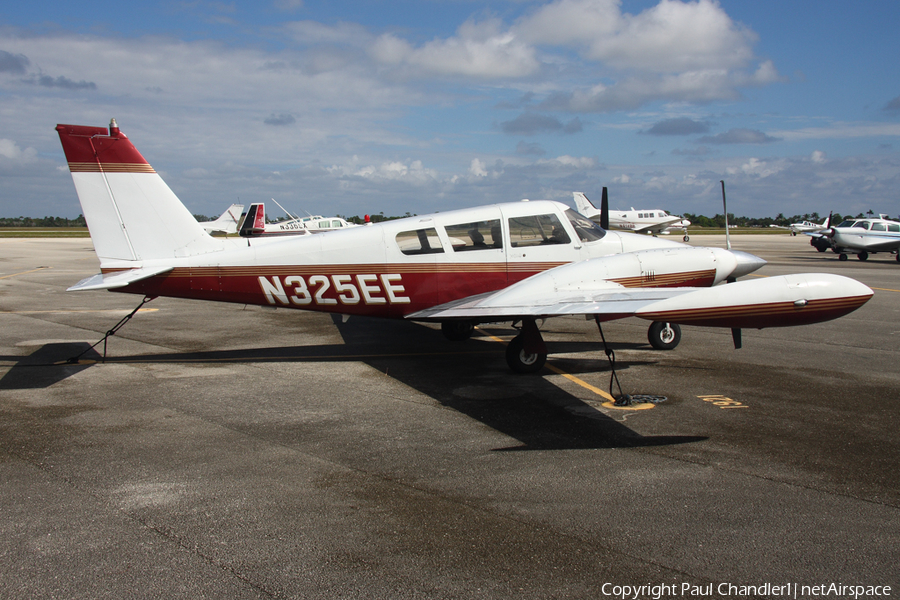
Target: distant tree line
pixel 717 221
pixel 42 222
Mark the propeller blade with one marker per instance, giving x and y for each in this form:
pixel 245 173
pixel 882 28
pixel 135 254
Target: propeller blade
pixel 604 209
pixel 736 337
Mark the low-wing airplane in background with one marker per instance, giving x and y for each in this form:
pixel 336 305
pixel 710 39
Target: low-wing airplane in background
pixel 227 222
pixel 254 224
pixel 808 226
pixel 653 221
pixel 520 261
pixel 859 236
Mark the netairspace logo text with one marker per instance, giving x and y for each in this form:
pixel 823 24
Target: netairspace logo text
pixel 788 590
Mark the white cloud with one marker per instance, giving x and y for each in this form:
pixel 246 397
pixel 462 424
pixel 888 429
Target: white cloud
pixel 477 168
pixel 9 149
pixel 669 37
pixel 480 50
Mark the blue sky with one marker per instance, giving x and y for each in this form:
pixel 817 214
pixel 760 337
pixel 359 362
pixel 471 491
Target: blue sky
pixel 366 107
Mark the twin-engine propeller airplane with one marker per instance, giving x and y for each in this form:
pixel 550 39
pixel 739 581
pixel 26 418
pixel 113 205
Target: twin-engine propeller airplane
pixel 652 221
pixel 520 261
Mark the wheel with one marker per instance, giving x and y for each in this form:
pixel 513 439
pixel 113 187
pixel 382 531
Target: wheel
pixel 457 331
pixel 687 238
pixel 821 248
pixel 664 336
pixel 521 361
pixel 842 256
pixel 862 256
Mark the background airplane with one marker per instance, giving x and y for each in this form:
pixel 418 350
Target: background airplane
pixel 515 262
pixel 227 222
pixel 804 226
pixel 653 221
pixel 255 225
pixel 859 236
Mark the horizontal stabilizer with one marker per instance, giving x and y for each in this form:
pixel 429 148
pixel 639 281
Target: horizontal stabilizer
pixel 116 279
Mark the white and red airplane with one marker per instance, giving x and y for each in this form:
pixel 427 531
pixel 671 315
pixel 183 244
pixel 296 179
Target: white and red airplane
pixel 520 261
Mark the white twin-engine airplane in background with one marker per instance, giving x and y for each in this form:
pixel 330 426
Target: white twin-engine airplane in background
pixel 520 261
pixel 653 221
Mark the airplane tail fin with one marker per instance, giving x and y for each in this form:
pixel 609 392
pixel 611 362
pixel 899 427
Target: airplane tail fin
pixel 254 222
pixel 132 215
pixel 583 205
pixel 227 222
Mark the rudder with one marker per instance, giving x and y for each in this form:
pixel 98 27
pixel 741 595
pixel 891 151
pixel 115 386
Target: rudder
pixel 131 213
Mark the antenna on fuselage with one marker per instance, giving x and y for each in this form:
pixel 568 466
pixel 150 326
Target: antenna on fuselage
pixel 725 208
pixel 285 210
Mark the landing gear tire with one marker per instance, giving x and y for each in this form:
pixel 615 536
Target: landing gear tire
pixel 842 256
pixel 521 361
pixel 686 238
pixel 664 336
pixel 863 256
pixel 457 331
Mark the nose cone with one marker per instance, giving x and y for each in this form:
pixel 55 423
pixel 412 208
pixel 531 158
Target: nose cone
pixel 746 263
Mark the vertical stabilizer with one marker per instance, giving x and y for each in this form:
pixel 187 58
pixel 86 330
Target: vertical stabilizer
pixel 255 221
pixel 130 211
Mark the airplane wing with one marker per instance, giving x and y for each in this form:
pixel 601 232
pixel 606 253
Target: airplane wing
pixel 657 226
pixel 570 290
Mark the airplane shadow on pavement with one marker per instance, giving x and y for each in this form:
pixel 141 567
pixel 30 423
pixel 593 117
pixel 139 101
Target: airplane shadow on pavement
pixel 470 377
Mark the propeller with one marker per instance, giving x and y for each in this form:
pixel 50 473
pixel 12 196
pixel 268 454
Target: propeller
pixel 604 209
pixel 736 337
pixel 829 230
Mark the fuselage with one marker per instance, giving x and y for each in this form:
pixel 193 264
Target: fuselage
pixel 399 267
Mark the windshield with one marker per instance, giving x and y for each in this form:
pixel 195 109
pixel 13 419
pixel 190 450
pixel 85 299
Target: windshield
pixel 587 230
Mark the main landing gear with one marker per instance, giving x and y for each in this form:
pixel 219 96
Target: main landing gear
pixel 664 336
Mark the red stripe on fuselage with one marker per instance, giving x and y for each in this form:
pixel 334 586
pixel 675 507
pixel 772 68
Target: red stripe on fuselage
pixel 384 290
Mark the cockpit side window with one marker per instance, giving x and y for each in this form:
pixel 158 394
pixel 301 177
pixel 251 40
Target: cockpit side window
pixel 587 230
pixel 419 241
pixel 480 235
pixel 536 230
pixel 862 224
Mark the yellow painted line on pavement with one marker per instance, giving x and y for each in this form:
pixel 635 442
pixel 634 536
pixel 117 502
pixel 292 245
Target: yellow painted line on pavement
pixel 559 371
pixel 25 272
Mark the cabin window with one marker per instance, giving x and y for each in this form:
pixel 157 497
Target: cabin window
pixel 587 230
pixel 878 227
pixel 419 241
pixel 536 230
pixel 862 224
pixel 480 235
pixel 893 227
